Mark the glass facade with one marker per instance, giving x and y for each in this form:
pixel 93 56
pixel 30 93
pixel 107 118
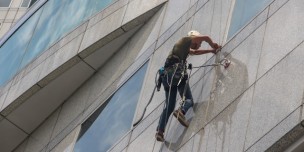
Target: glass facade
pixel 45 27
pixel 5 3
pixel 114 119
pixel 25 3
pixel 244 11
pixel 12 51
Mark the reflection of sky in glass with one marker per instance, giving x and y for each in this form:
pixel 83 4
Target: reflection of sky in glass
pixel 12 51
pixel 115 119
pixel 245 10
pixel 58 17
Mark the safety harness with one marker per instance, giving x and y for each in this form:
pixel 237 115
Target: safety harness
pixel 178 71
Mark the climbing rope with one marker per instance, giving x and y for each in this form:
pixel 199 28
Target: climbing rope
pixel 156 86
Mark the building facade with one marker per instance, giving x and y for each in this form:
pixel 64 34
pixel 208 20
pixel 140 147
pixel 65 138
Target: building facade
pixel 76 74
pixel 11 11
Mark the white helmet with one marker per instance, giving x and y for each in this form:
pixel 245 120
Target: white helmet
pixel 193 33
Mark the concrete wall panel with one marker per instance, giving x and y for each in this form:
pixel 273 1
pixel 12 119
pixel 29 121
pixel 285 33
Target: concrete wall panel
pixel 187 146
pixel 41 137
pixel 265 142
pixel 67 144
pixel 282 37
pixel 200 140
pixel 276 96
pixel 145 141
pixel 98 31
pixel 175 9
pixel 71 109
pixel 134 10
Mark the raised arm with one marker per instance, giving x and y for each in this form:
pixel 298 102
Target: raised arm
pixel 207 39
pixel 199 52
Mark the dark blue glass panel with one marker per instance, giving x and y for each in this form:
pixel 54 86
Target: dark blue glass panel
pixel 109 123
pixel 12 51
pixel 244 11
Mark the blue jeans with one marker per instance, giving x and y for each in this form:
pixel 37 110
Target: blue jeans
pixel 171 100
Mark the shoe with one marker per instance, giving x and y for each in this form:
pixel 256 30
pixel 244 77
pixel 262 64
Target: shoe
pixel 159 136
pixel 179 115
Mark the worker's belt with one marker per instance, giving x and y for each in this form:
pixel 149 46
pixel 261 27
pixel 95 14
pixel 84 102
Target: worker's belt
pixel 176 69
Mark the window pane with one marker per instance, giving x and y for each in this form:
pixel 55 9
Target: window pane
pixel 58 18
pixel 25 3
pixel 13 49
pixel 109 123
pixel 5 3
pixel 244 11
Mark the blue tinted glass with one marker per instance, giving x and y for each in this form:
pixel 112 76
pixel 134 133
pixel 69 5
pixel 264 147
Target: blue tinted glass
pixel 244 11
pixel 108 124
pixel 59 18
pixel 13 49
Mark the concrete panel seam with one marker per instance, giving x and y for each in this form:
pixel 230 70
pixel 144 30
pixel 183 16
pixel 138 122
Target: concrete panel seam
pixel 248 121
pixel 59 71
pixel 143 129
pixel 125 13
pixel 254 87
pixel 50 138
pixel 20 100
pixel 273 128
pixel 87 63
pixel 105 16
pixel 53 142
pixel 161 24
pixel 277 8
pixel 26 67
pixel 17 126
pixel 147 118
pixel 24 140
pixel 280 60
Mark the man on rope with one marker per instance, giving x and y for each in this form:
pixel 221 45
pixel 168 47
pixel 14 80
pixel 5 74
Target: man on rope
pixel 175 78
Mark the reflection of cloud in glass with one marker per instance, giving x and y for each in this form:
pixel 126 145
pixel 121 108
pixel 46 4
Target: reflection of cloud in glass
pixel 58 17
pixel 12 51
pixel 57 20
pixel 244 11
pixel 115 119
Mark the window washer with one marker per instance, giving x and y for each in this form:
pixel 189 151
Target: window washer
pixel 175 77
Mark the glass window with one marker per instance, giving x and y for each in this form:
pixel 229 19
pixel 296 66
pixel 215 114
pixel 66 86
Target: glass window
pixel 12 51
pixel 244 11
pixel 114 119
pixel 5 3
pixel 58 17
pixel 25 3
